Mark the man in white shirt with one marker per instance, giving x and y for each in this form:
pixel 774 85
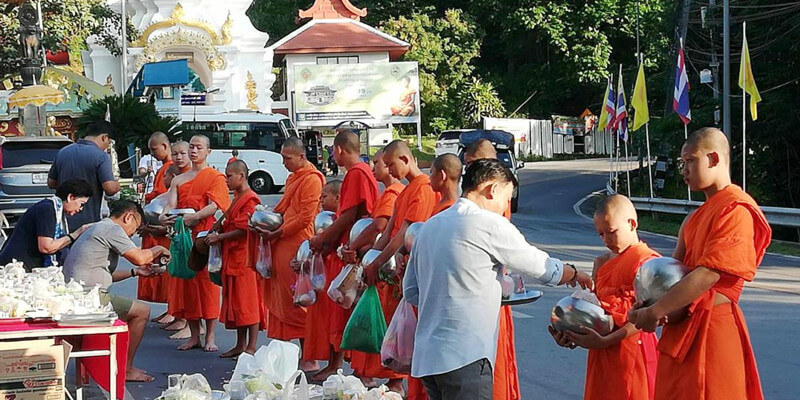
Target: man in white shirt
pixel 453 278
pixel 148 166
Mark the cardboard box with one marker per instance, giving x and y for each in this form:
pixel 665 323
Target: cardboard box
pixel 33 369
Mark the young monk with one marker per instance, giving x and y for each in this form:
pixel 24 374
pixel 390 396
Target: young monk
pixel 204 190
pixel 329 199
pixel 445 174
pixel 381 213
pixel 415 204
pixel 621 364
pixel 359 192
pixel 242 301
pixel 181 161
pixel 705 351
pixel 506 377
pixel 154 288
pixel 299 205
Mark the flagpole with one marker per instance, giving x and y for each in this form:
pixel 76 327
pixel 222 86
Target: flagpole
pixel 627 168
pixel 610 147
pixel 685 137
pixel 744 120
pixel 649 170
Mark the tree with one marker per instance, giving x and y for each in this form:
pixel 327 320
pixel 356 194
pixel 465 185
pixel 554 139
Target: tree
pixel 278 18
pixel 478 99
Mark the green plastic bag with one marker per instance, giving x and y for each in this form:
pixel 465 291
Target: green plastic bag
pixel 367 326
pixel 179 250
pixel 216 278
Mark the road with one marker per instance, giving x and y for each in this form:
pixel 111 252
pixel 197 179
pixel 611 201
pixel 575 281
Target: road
pixel 547 218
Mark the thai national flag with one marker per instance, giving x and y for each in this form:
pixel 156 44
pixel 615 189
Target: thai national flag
pixel 621 121
pixel 680 100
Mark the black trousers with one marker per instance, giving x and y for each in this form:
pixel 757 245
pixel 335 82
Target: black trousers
pixel 470 382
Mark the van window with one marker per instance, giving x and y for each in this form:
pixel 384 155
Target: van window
pixel 287 125
pixel 18 154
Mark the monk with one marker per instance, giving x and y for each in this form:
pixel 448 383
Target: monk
pixel 705 351
pixel 242 302
pixel 181 161
pixel 204 190
pixel 154 288
pixel 299 205
pixel 445 175
pixel 329 199
pixel 414 204
pixel 357 199
pixel 621 364
pixel 506 377
pixel 382 212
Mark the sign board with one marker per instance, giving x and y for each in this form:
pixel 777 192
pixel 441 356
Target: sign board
pixel 518 127
pixel 568 125
pixel 372 93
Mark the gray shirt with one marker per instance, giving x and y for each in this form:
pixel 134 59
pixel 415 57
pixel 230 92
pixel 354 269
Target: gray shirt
pixel 453 278
pixel 95 254
pixel 83 159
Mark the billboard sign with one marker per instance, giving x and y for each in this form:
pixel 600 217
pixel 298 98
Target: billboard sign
pixel 372 93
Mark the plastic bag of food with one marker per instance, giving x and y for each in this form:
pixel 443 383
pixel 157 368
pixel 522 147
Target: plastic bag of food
pixel 381 393
pixel 278 361
pixel 398 343
pixel 264 262
pixel 260 382
pixel 304 294
pixel 179 250
pixel 214 258
pixel 367 326
pixel 343 290
pixel 318 276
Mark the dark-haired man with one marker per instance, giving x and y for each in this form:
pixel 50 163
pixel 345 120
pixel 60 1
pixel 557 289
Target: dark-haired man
pixel 87 159
pixel 93 261
pixel 463 247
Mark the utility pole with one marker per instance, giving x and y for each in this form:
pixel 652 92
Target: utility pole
pixel 726 68
pixel 124 59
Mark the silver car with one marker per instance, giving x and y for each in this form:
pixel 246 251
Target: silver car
pixel 24 164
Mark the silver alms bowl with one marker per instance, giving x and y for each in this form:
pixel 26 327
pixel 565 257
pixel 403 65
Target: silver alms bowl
pixel 269 219
pixel 655 277
pixel 372 254
pixel 571 313
pixel 303 252
pixel 152 211
pixel 411 233
pixel 323 221
pixel 359 227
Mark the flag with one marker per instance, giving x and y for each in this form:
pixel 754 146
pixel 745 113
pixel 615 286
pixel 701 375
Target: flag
pixel 639 100
pixel 680 99
pixel 746 80
pixel 607 111
pixel 621 121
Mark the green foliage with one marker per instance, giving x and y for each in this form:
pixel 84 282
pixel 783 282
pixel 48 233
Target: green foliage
pixel 276 17
pixel 478 99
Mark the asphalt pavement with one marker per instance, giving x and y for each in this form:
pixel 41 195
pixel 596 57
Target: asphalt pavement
pixel 548 219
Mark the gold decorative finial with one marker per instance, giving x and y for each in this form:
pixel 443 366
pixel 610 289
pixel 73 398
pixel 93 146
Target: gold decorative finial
pixel 252 94
pixel 225 34
pixel 109 83
pixel 178 12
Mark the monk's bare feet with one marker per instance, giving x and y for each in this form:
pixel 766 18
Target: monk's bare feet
pixel 234 352
pixel 137 375
pixel 176 325
pixel 184 333
pixel 324 373
pixel 211 345
pixel 190 344
pixel 166 319
pixel 309 366
pixel 396 385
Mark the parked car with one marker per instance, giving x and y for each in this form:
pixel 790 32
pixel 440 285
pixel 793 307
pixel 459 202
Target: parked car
pixel 447 142
pixel 24 164
pixel 504 145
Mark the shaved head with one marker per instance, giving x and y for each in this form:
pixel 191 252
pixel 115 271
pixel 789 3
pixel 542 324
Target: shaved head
pixel 333 187
pixel 397 148
pixel 616 206
pixel 238 166
pixel 710 140
pixel 158 138
pixel 448 163
pixel 295 145
pixel 159 146
pixel 204 138
pixel 180 144
pixel 348 142
pixel 479 150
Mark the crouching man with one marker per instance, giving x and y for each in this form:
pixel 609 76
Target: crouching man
pixel 93 260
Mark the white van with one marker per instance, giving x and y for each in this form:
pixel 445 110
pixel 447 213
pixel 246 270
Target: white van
pixel 257 138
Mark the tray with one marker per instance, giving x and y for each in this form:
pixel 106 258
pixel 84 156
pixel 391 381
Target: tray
pixel 524 297
pixel 182 211
pixel 102 319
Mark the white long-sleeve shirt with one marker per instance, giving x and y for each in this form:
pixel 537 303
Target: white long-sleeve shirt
pixel 453 279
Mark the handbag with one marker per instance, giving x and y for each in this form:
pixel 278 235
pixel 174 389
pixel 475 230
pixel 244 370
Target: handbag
pixel 198 257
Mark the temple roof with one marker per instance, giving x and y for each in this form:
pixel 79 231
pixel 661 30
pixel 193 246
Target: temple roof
pixel 333 9
pixel 336 36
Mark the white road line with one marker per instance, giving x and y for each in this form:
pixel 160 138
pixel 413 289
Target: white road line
pixel 521 315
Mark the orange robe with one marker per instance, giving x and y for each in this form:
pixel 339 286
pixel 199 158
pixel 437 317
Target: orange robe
pixel 385 206
pixel 299 205
pixel 441 206
pixel 358 187
pixel 242 300
pixel 708 354
pixel 154 288
pixel 198 298
pixel 627 370
pixel 414 204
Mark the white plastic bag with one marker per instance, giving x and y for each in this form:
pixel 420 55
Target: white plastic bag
pixel 278 360
pixel 398 343
pixel 304 294
pixel 317 273
pixel 344 288
pixel 214 258
pixel 264 263
pixel 381 393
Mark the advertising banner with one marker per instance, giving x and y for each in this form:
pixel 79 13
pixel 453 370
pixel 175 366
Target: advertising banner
pixel 372 93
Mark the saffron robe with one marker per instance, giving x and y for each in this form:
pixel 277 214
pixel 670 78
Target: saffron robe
pixel 708 355
pixel 154 288
pixel 242 299
pixel 627 370
pixel 198 298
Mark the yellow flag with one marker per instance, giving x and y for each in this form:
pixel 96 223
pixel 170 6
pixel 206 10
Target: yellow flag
pixel 603 120
pixel 746 80
pixel 639 100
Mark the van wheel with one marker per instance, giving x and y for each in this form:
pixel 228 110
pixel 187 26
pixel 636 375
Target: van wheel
pixel 514 204
pixel 261 183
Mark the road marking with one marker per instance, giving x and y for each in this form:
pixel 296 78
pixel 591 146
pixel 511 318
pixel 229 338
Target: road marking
pixel 521 315
pixel 577 206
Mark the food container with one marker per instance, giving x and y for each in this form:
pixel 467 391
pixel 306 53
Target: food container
pixel 182 211
pixel 388 270
pixel 571 313
pixel 323 221
pixel 358 228
pixel 655 277
pixel 266 218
